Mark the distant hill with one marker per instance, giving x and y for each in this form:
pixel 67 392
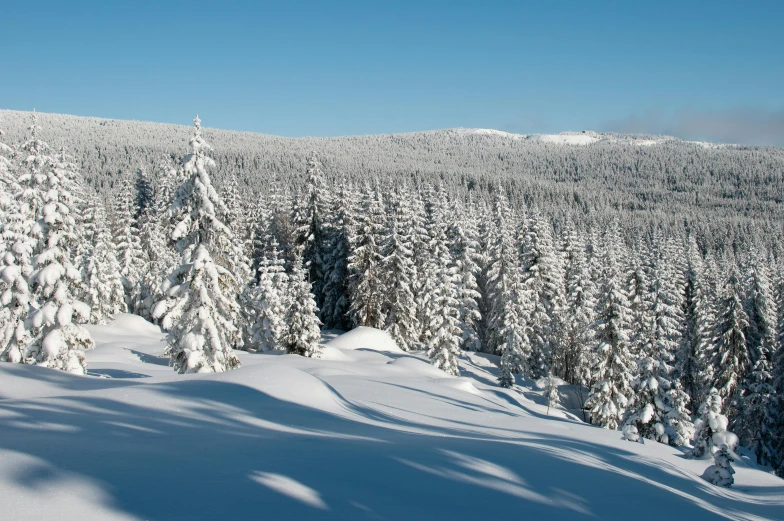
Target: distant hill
pixel 654 179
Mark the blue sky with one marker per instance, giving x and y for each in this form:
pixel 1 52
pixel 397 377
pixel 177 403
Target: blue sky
pixel 712 70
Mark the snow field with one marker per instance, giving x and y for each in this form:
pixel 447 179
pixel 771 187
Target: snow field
pixel 367 433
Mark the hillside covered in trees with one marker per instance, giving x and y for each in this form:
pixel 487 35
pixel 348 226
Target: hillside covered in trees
pixel 644 271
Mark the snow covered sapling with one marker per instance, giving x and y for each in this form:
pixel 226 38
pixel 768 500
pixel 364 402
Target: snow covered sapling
pixel 721 472
pixel 711 428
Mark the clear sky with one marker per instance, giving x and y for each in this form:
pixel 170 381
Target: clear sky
pixel 697 69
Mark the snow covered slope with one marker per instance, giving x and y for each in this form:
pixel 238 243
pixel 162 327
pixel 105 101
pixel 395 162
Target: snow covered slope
pixel 368 434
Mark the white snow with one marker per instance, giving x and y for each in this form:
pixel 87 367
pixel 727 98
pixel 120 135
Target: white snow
pixel 566 138
pixel 367 432
pixel 365 338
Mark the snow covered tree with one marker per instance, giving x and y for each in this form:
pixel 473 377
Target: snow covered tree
pixel 364 265
pixel 753 425
pixel 58 339
pixel 711 427
pixel 464 248
pixel 572 359
pixel 443 341
pixel 612 367
pixel 129 248
pixel 698 319
pixel 17 243
pixel 731 357
pixel 312 232
pixel 200 310
pixel 304 334
pixel 398 277
pixel 269 301
pixel 721 472
pixel 334 312
pixel 234 217
pixel 543 278
pixel 506 326
pixel 102 283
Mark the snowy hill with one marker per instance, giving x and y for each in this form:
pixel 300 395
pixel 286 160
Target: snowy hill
pixel 367 434
pixel 643 177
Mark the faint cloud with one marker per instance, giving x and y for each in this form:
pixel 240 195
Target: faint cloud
pixel 742 125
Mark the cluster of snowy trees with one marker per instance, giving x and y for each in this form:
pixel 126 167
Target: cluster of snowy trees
pixel 656 322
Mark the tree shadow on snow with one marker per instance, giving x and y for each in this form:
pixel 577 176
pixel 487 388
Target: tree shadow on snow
pixel 227 451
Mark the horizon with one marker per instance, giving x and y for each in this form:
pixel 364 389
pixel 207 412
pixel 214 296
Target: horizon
pixel 308 69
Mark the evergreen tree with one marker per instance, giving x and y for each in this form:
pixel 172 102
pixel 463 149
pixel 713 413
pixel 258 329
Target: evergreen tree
pixel 102 287
pixel 612 367
pixel 463 246
pixel 364 266
pixel 201 309
pixel 710 422
pixel 731 357
pixel 721 472
pixel 573 362
pixel 506 326
pixel 397 267
pixel 269 301
pixel 129 247
pixel 17 243
pixel 543 278
pixel 334 312
pixel 313 233
pixel 753 426
pixel 58 339
pixel 443 341
pixel 304 335
pixel 698 317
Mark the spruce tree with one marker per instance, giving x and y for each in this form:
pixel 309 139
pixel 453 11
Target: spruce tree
pixel 17 244
pixel 464 249
pixel 399 275
pixel 200 310
pixel 303 336
pixel 506 325
pixel 102 284
pixel 364 265
pixel 129 247
pixel 612 367
pixel 269 301
pixel 58 339
pixel 543 278
pixel 573 362
pixel 334 312
pixel 731 357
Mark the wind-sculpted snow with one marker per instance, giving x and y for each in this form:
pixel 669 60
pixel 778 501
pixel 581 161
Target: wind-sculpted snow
pixel 289 437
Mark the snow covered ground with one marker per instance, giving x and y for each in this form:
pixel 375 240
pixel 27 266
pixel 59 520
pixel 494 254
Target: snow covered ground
pixel 367 432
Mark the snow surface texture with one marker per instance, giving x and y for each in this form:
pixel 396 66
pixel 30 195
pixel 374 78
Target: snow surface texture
pixel 366 433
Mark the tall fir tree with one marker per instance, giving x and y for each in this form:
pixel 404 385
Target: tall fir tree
pixel 612 367
pixel 102 284
pixel 464 249
pixel 335 309
pixel 399 275
pixel 303 336
pixel 364 265
pixel 269 301
pixel 543 278
pixel 57 338
pixel 200 310
pixel 731 356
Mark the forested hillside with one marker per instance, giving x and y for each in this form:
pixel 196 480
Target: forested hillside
pixel 645 271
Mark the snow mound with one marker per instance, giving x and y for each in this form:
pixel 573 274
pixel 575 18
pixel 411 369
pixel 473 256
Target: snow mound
pixel 415 366
pixel 365 338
